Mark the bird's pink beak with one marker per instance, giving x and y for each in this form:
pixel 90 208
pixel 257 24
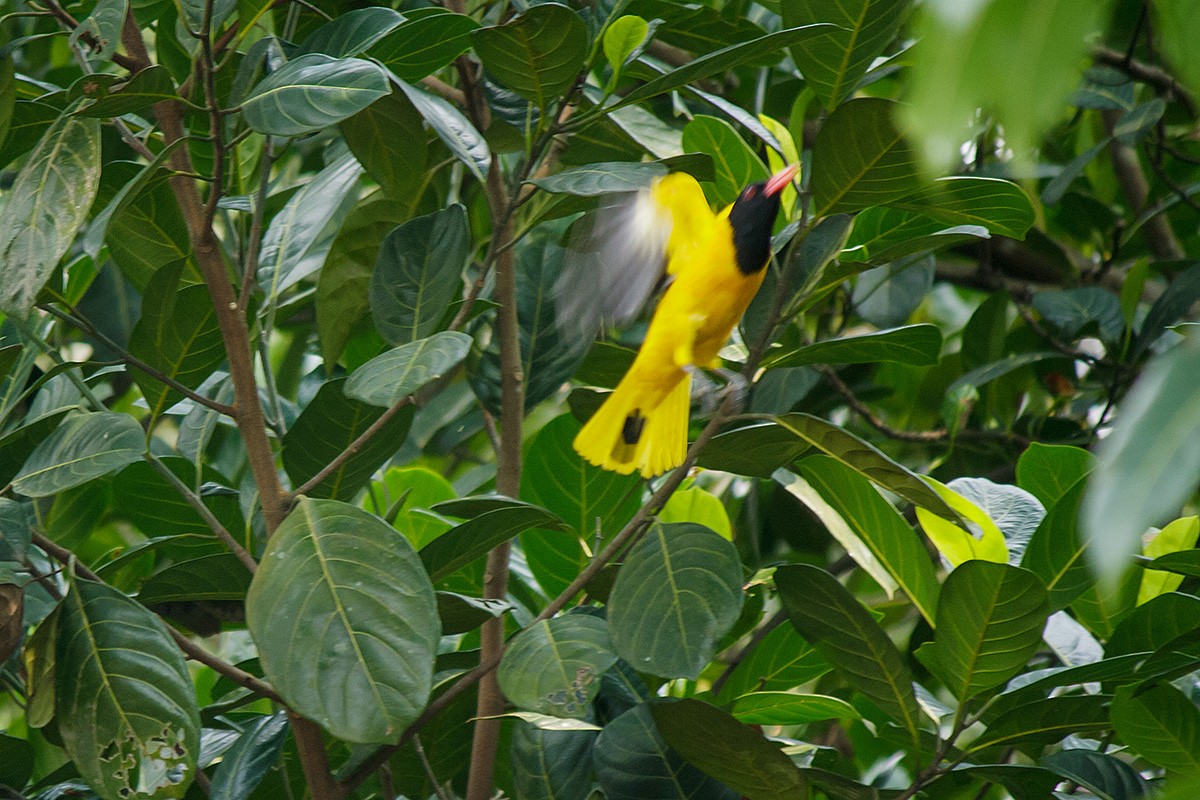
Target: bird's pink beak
pixel 781 179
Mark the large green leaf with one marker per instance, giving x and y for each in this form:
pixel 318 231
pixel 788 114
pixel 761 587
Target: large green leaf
pixel 860 159
pixel 698 28
pixel 1149 465
pixel 177 334
pixel 359 660
pixel 868 527
pixel 217 577
pixel 352 32
pixel 834 63
pixel 602 178
pixel 782 660
pixel 145 498
pixel 112 96
pixel 343 286
pixel 84 447
pixel 126 708
pixel 1048 471
pixel 1075 309
pixel 989 623
pixel 406 493
pixel 678 592
pixel 1045 721
pixel 537 54
pixel 327 426
pixel 146 230
pixel 844 632
pixel 1161 724
pixel 303 231
pixel 1155 624
pixel 1000 206
pixel 788 708
pixel 734 164
pixel 46 205
pixel 256 751
pixel 555 666
pixel 728 750
pixel 418 273
pixel 464 543
pixel 1055 551
pixel 883 234
pixel 388 139
pixel 466 143
pixel 867 461
pixel 428 40
pixel 633 763
pixel 912 344
pixel 754 450
pixel 312 92
pixel 1108 776
pixel 401 371
pixel 550 764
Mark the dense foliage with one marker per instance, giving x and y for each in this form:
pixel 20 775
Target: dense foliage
pixel 289 502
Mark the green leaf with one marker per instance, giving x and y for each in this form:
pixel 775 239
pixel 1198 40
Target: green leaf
pixel 426 42
pixel 1162 725
pixel 126 709
pixel 782 660
pixel 1175 19
pixel 146 231
pixel 1072 310
pixel 920 345
pixel 770 45
pixel 735 164
pixel 678 592
pixel 786 708
pixel 550 764
pixel 1055 551
pixel 84 447
pixel 633 762
pixel 16 760
pixel 978 537
pixel 177 334
pixel 867 461
pixel 834 63
pixel 401 371
pixel 16 529
pixel 538 54
pixel 8 93
pixel 217 577
pixel 343 285
pixel 602 178
pixel 145 498
pixel 728 750
pixel 1000 206
pixel 312 92
pixel 353 32
pixel 1148 465
pixel 114 97
pixel 1044 722
pixel 694 504
pixel 302 233
pixel 555 666
pixel 1177 536
pixel 415 489
pixel 327 426
pixel 47 203
pixel 460 613
pixel 418 274
pixel 1177 298
pixel 255 752
pixel 1154 624
pixel 1109 777
pixel 100 31
pixel 699 28
pixel 1186 563
pixel 388 139
pixel 860 159
pixel 458 134
pixel 989 623
pixel 464 543
pixel 989 55
pixel 624 38
pixel 843 631
pixel 868 527
pixel 1048 471
pixel 359 661
pixel 754 450
pixel 882 235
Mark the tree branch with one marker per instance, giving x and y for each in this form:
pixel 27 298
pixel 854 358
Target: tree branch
pixel 1162 81
pixel 1159 235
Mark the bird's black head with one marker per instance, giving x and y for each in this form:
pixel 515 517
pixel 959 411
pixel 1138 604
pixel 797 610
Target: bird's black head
pixel 752 218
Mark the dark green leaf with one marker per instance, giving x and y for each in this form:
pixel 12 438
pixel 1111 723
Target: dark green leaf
pixel 1107 776
pixel 1072 310
pixel 401 371
pixel 1162 725
pixel 1178 296
pixel 146 231
pixel 728 750
pixel 913 344
pixel 214 577
pixel 1045 721
pixel 698 28
pixel 326 427
pixel 860 159
pixel 145 498
pixel 312 92
pixel 113 98
pixel 834 63
pixel 1055 551
pixel 460 613
pixel 551 765
pixel 388 139
pixel 1154 624
pixel 735 164
pixel 47 203
pixel 781 661
pixel 17 522
pixel 244 765
pixel 844 632
pixel 100 31
pixel 84 447
pixel 678 592
pixel 1185 563
pixel 786 708
pixel 1000 206
pixel 466 143
pixel 126 709
pixel 418 273
pixel 361 662
pixel 754 450
pixel 1148 466
pixel 889 295
pixel 555 666
pixel 602 178
pixel 352 32
pixel 538 54
pixel 463 544
pixel 1047 471
pixel 426 42
pixel 884 234
pixel 989 623
pixel 633 763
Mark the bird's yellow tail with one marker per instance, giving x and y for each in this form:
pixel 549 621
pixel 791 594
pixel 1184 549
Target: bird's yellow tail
pixel 623 436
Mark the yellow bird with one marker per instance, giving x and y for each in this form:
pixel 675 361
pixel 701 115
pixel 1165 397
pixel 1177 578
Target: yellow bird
pixel 716 263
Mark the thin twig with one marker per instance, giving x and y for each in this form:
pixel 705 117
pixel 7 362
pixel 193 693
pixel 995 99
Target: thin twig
pixel 756 638
pixel 430 776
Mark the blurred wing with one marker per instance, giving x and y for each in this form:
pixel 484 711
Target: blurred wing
pixel 614 263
